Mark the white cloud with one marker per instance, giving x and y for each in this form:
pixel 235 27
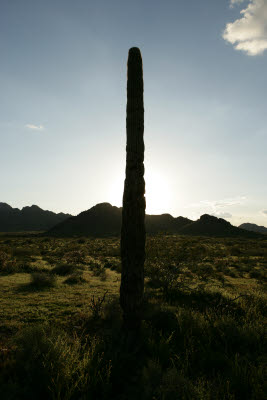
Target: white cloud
pixel 35 127
pixel 264 212
pixel 222 215
pixel 249 33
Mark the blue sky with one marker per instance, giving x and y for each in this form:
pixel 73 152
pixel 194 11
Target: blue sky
pixel 63 99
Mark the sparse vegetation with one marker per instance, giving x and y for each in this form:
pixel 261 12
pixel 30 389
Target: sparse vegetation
pixel 201 337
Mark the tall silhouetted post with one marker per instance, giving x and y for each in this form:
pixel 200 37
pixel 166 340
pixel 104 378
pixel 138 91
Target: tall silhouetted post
pixel 133 233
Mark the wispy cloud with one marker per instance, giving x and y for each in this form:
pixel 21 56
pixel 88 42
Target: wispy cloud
pixel 232 201
pixel 218 208
pixel 35 127
pixel 249 33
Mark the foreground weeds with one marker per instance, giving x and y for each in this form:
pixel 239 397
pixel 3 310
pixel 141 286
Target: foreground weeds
pixel 51 364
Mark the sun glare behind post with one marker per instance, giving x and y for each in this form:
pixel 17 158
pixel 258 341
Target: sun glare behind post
pixel 158 192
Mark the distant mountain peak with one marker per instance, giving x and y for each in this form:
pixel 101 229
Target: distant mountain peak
pixel 209 225
pixel 253 228
pixel 211 219
pixel 102 206
pixel 207 217
pixel 5 207
pixel 33 207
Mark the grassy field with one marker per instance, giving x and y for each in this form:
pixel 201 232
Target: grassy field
pixel 202 335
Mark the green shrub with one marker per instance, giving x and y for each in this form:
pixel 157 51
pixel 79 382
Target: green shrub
pixel 114 265
pixel 21 252
pixel 235 250
pixel 81 241
pixel 8 265
pixel 168 277
pixel 25 253
pixel 74 257
pixel 259 275
pixel 29 268
pixel 64 269
pixel 98 269
pixel 75 279
pixel 41 280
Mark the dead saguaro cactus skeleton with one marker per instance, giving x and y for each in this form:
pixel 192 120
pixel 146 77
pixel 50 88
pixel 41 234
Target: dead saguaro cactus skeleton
pixel 133 235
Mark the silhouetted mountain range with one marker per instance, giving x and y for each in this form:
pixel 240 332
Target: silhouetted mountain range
pixel 28 218
pixel 105 220
pixel 253 228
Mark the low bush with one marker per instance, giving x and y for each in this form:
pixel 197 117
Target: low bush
pixel 98 269
pixel 114 265
pixel 75 279
pixel 169 278
pixel 41 280
pixel 25 253
pixel 8 264
pixel 81 241
pixel 74 257
pixel 64 269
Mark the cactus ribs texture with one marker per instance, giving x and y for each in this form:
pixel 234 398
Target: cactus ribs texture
pixel 133 233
